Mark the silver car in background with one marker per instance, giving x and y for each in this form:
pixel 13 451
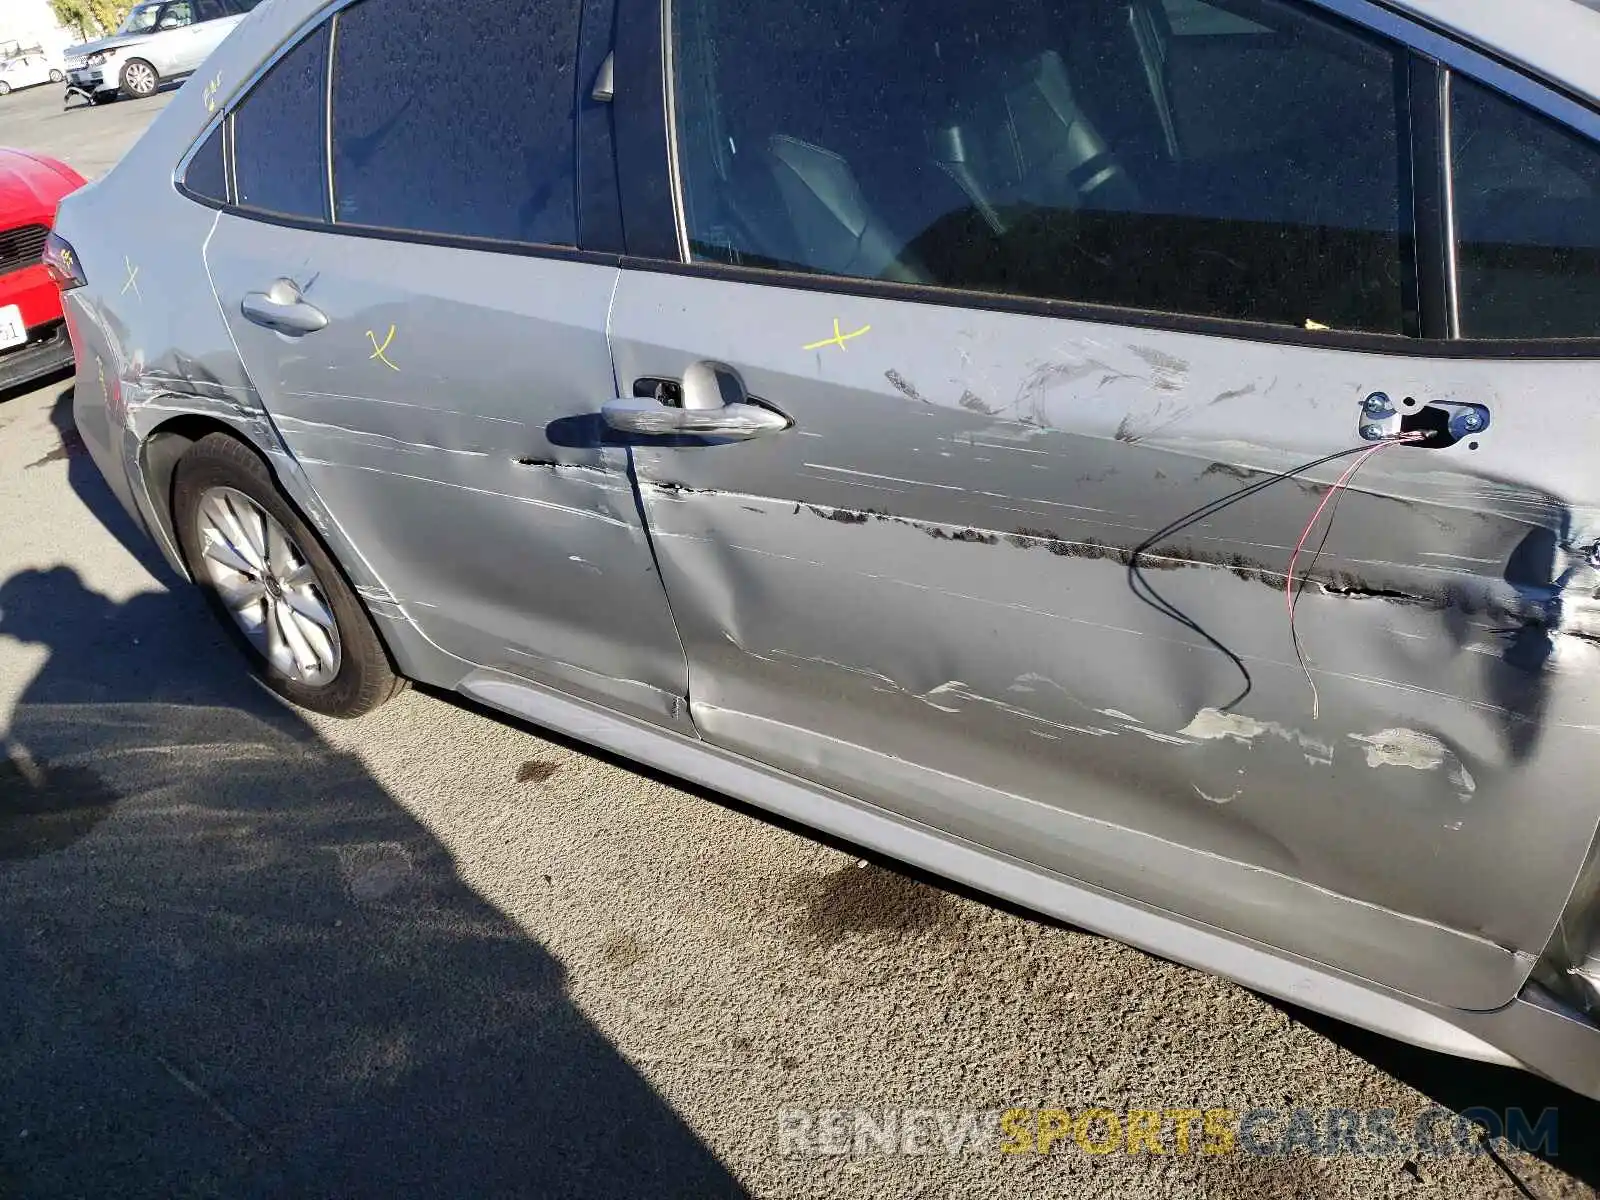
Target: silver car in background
pixel 29 70
pixel 1135 457
pixel 159 40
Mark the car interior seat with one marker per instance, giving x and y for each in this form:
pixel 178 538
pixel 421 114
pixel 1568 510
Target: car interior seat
pixel 788 158
pixel 1022 140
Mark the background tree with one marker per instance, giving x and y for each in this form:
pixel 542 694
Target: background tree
pixel 75 14
pixel 89 17
pixel 108 14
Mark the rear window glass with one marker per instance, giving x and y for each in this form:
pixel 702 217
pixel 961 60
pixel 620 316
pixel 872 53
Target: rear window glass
pixel 1527 220
pixel 280 164
pixel 208 173
pixel 459 124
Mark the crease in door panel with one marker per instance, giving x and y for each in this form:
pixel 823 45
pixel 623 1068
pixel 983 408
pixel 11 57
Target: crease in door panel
pixel 642 510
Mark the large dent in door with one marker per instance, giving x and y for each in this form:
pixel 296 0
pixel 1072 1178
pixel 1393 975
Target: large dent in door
pixel 1062 576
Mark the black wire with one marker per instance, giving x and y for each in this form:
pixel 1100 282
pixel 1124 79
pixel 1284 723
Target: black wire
pixel 1142 587
pixel 1488 1144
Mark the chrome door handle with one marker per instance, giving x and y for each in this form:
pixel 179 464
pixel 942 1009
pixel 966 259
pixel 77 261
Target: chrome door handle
pixel 282 309
pixel 712 403
pixel 739 421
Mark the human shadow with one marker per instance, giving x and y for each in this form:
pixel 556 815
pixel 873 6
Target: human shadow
pixel 234 965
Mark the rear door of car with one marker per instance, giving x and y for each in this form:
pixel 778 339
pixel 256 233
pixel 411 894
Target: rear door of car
pixel 214 21
pixel 172 47
pixel 1078 314
pixel 431 344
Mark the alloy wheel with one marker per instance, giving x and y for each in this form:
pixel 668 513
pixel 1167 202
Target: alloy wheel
pixel 268 585
pixel 141 79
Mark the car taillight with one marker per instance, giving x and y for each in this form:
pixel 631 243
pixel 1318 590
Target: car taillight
pixel 61 260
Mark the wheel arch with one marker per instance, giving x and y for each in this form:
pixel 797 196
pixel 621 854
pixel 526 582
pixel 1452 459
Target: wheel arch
pixel 155 463
pixel 159 453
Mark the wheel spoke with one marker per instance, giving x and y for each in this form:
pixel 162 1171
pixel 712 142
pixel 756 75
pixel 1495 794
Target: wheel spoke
pixel 305 657
pixel 220 550
pixel 257 626
pixel 308 605
pixel 253 523
pixel 278 652
pixel 321 644
pixel 299 577
pixel 240 596
pixel 280 555
pixel 220 513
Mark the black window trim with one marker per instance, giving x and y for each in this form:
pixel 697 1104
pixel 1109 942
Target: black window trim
pixel 652 229
pixel 329 15
pixel 652 213
pixel 1430 199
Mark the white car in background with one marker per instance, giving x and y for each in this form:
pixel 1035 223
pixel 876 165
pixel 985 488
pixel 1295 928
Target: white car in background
pixel 29 70
pixel 159 40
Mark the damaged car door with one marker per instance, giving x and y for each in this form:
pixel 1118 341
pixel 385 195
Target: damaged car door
pixel 428 340
pixel 1015 354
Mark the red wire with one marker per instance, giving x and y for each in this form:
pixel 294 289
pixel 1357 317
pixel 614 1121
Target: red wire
pixel 1290 596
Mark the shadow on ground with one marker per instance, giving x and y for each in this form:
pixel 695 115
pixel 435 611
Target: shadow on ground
pixel 18 390
pixel 90 487
pixel 1459 1084
pixel 235 966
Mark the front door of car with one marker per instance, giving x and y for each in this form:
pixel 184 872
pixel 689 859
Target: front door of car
pixel 430 354
pixel 1017 569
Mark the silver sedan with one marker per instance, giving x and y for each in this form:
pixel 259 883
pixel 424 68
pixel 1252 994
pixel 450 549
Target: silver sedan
pixel 1087 451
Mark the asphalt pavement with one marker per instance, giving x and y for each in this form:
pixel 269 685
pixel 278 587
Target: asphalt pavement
pixel 245 951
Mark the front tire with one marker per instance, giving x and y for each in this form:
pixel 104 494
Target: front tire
pixel 5 88
pixel 57 77
pixel 270 581
pixel 139 79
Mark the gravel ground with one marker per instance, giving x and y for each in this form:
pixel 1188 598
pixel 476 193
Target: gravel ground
pixel 431 952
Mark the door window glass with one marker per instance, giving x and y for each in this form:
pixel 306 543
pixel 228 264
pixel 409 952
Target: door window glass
pixel 1527 220
pixel 1221 158
pixel 207 173
pixel 175 16
pixel 141 20
pixel 278 147
pixel 457 119
pixel 209 10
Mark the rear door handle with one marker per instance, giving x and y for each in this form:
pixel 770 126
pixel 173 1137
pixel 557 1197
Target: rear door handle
pixel 281 308
pixel 712 402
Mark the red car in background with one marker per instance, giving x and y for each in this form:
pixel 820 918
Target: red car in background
pixel 33 337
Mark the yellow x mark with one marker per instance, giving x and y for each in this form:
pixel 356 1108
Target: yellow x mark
pixel 838 339
pixel 378 351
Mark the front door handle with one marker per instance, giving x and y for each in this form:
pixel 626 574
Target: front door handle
pixel 281 308
pixel 711 402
